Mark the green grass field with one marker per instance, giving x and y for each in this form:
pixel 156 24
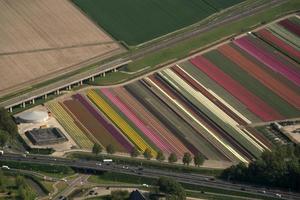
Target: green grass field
pixel 136 21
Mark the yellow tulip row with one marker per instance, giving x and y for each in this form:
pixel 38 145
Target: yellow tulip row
pixel 120 123
pixel 68 124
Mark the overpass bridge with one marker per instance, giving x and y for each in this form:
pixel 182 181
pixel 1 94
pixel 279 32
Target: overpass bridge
pixel 66 84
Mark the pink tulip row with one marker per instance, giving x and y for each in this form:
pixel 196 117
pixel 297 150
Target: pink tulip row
pixel 253 103
pixel 268 36
pixel 151 122
pixel 138 123
pixel 268 59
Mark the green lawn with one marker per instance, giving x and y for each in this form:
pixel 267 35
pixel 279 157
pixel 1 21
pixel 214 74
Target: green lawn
pixel 136 21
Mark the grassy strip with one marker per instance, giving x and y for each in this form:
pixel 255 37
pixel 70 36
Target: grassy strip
pixel 43 168
pixel 251 84
pixel 149 163
pixel 134 179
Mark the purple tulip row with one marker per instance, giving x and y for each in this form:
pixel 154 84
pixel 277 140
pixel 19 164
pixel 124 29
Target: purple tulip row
pixel 115 133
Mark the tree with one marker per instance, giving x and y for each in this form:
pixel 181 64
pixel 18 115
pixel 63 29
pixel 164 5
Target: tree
pixel 110 149
pixel 160 156
pixel 279 168
pixel 198 159
pixel 7 123
pixel 97 149
pixel 3 137
pixel 20 181
pixel 135 152
pixel 26 193
pixel 187 158
pixel 1 181
pixel 119 195
pixel 172 158
pixel 148 154
pixel 171 188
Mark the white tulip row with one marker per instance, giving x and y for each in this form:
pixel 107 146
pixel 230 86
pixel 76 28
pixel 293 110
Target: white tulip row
pixel 232 121
pixel 216 110
pixel 227 146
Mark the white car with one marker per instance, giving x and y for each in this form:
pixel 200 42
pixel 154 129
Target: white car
pixel 5 167
pixel 278 195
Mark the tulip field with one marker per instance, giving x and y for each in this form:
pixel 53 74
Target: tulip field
pixel 203 105
pixel 70 125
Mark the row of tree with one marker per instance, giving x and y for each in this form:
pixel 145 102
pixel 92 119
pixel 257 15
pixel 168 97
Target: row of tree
pixel 8 128
pixel 186 159
pixel 110 149
pixel 279 168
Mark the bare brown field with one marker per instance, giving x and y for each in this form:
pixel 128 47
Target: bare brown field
pixel 41 39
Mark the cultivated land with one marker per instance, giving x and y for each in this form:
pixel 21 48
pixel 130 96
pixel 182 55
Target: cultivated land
pixel 41 39
pixel 136 22
pixel 205 104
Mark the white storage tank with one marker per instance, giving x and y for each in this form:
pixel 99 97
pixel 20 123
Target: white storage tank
pixel 33 117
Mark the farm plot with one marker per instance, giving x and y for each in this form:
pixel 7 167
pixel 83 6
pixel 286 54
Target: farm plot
pixel 255 87
pixel 269 59
pixel 279 44
pixel 173 143
pixel 69 124
pixel 224 124
pixel 128 130
pixel 135 21
pixel 179 127
pixel 91 123
pixel 206 104
pixel 273 84
pixel 41 39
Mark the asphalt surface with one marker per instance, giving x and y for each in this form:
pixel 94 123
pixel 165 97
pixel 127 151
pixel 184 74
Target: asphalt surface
pixel 153 47
pixel 191 178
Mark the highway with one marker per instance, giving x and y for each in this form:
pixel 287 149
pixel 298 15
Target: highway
pixel 148 49
pixel 191 178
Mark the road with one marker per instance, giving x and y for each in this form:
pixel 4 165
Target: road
pixel 153 47
pixel 191 178
pixel 72 185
